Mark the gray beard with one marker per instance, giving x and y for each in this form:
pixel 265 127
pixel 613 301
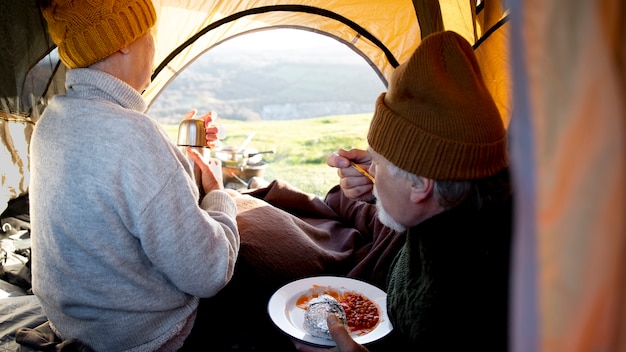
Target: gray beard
pixel 386 219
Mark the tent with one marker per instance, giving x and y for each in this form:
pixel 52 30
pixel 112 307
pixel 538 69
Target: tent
pixel 557 69
pixel 384 34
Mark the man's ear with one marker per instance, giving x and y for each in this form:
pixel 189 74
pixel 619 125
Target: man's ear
pixel 422 190
pixel 125 50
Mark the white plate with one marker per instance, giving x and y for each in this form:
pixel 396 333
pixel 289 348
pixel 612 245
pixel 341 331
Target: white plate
pixel 290 319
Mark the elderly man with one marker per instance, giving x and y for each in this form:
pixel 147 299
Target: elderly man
pixel 438 153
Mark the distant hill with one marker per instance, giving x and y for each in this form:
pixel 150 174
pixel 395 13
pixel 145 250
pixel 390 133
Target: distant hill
pixel 252 84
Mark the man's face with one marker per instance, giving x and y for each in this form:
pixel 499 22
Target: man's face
pixel 393 196
pixel 386 218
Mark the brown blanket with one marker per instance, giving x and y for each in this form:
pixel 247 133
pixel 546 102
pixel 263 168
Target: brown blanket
pixel 287 234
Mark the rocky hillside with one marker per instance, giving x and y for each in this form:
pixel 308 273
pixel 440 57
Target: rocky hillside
pixel 254 84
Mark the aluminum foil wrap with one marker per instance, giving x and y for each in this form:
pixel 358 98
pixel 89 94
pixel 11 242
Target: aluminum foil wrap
pixel 315 315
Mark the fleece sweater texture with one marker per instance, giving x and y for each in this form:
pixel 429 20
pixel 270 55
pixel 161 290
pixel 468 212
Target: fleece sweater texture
pixel 121 249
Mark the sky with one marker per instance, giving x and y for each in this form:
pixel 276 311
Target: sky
pixel 284 41
pixel 276 39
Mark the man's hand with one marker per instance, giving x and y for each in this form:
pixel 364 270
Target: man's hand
pixel 353 183
pixel 342 338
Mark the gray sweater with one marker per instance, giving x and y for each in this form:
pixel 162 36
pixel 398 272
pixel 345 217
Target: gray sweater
pixel 121 250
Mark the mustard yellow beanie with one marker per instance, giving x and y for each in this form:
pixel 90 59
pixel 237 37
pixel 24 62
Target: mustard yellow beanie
pixel 87 31
pixel 437 118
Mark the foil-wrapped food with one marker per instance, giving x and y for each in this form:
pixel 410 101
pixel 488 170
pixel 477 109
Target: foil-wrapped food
pixel 316 313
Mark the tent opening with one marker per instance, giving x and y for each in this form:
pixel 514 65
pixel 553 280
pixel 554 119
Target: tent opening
pixel 274 81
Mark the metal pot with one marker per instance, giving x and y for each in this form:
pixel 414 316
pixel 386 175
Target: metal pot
pixel 240 176
pixel 234 157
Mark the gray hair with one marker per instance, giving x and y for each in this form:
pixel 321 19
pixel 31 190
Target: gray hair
pixel 452 193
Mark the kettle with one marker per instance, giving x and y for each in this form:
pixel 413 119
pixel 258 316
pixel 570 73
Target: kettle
pixel 191 133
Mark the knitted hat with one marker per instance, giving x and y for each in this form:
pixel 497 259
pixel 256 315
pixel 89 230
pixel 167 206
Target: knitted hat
pixel 87 31
pixel 437 119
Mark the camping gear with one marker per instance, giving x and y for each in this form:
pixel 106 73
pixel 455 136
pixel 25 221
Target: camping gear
pixel 191 133
pixel 236 177
pixel 236 157
pixel 240 166
pixel 246 142
pixel 240 156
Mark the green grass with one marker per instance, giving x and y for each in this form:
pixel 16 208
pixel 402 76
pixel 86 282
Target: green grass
pixel 301 146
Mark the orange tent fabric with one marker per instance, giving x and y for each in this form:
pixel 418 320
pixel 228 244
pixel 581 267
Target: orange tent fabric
pixel 383 33
pixel 568 134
